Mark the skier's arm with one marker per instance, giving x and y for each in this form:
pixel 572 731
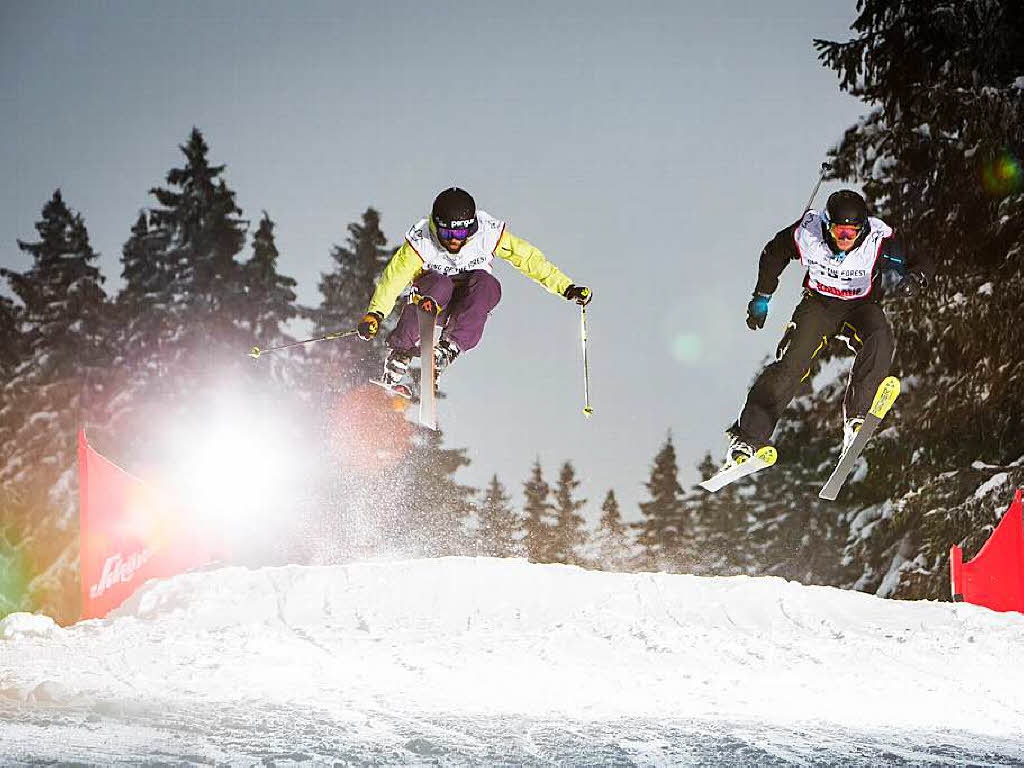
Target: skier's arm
pixel 916 269
pixel 531 262
pixel 915 262
pixel 775 255
pixel 404 267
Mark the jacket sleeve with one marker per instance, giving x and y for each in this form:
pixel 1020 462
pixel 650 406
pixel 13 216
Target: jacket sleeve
pixel 775 255
pixel 531 262
pixel 920 262
pixel 894 257
pixel 404 267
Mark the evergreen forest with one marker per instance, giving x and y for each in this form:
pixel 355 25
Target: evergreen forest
pixel 938 154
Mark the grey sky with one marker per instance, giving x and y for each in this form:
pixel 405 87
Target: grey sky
pixel 648 148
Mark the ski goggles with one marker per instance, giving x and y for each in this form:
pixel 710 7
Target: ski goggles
pixel 457 233
pixel 456 230
pixel 845 231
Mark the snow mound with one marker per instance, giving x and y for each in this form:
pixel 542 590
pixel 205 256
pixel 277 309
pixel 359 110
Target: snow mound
pixel 27 624
pixel 472 637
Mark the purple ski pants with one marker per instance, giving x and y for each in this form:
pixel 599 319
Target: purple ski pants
pixel 466 299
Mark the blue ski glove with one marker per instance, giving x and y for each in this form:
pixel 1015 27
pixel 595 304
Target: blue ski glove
pixel 911 285
pixel 757 311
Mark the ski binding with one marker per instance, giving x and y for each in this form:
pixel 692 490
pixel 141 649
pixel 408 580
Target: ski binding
pixel 730 473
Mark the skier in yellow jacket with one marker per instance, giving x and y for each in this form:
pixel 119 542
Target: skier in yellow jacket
pixel 448 256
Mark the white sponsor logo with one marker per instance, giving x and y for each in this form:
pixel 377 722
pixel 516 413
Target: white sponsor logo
pixel 118 569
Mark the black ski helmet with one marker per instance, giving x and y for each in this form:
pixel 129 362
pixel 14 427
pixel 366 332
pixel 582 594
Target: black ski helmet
pixel 454 208
pixel 846 207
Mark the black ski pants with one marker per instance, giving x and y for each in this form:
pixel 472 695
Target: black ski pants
pixel 816 319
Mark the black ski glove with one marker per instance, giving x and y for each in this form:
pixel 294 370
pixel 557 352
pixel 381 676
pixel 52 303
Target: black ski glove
pixel 579 293
pixel 757 310
pixel 369 325
pixel 911 285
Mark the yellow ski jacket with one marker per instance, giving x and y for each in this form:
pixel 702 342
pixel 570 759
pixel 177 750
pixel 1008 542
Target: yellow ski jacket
pixel 406 265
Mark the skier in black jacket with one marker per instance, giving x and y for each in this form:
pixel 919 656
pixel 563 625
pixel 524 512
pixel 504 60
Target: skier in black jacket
pixel 845 252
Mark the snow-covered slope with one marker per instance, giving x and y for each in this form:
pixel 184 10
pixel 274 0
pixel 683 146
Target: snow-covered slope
pixel 487 660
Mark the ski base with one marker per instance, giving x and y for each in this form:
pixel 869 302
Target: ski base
pixel 762 459
pixel 399 390
pixel 885 396
pixel 429 310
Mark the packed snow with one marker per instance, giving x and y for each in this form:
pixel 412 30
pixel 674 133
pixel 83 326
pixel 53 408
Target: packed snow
pixel 489 661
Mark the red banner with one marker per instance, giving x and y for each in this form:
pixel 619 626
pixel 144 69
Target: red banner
pixel 995 578
pixel 128 533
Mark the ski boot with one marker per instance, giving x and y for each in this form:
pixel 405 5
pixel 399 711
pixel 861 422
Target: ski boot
pixel 741 460
pixel 850 429
pixel 739 450
pixel 396 368
pixel 444 353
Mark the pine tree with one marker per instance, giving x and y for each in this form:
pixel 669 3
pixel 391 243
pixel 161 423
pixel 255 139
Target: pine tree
pixel 197 220
pixel 660 531
pixel 346 293
pixel 570 536
pixel 434 506
pixel 499 526
pixel 59 385
pixel 11 347
pixel 938 158
pixel 539 524
pixel 611 542
pixel 14 520
pixel 147 325
pixel 270 296
pixel 182 307
pixel 718 527
pixel 270 299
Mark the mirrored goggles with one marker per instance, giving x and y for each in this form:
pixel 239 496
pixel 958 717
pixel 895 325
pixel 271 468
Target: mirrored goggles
pixel 845 231
pixel 457 233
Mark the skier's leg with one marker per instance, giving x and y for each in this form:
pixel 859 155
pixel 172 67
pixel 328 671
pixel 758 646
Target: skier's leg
pixel 406 335
pixel 874 358
pixel 475 296
pixel 813 320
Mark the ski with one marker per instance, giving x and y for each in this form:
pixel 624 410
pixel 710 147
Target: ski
pixel 428 371
pixel 886 395
pixel 399 390
pixel 762 459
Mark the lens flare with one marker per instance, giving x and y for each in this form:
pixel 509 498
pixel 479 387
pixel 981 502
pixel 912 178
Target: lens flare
pixel 687 347
pixel 1002 175
pixel 13 579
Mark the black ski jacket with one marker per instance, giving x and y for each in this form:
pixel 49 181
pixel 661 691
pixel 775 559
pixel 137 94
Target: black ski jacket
pixel 781 250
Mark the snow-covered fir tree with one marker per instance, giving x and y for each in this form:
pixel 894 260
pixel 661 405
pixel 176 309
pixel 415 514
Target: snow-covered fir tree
pixel 539 523
pixel 660 531
pixel 346 292
pixel 570 534
pixel 499 527
pixel 611 543
pixel 278 379
pixel 939 158
pixel 204 235
pixel 270 296
pixel 60 384
pixel 435 507
pixel 182 307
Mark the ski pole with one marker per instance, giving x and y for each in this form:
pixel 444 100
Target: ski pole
pixel 256 351
pixel 587 410
pixel 825 167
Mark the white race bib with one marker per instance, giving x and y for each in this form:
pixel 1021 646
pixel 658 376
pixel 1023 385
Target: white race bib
pixel 841 275
pixel 477 253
